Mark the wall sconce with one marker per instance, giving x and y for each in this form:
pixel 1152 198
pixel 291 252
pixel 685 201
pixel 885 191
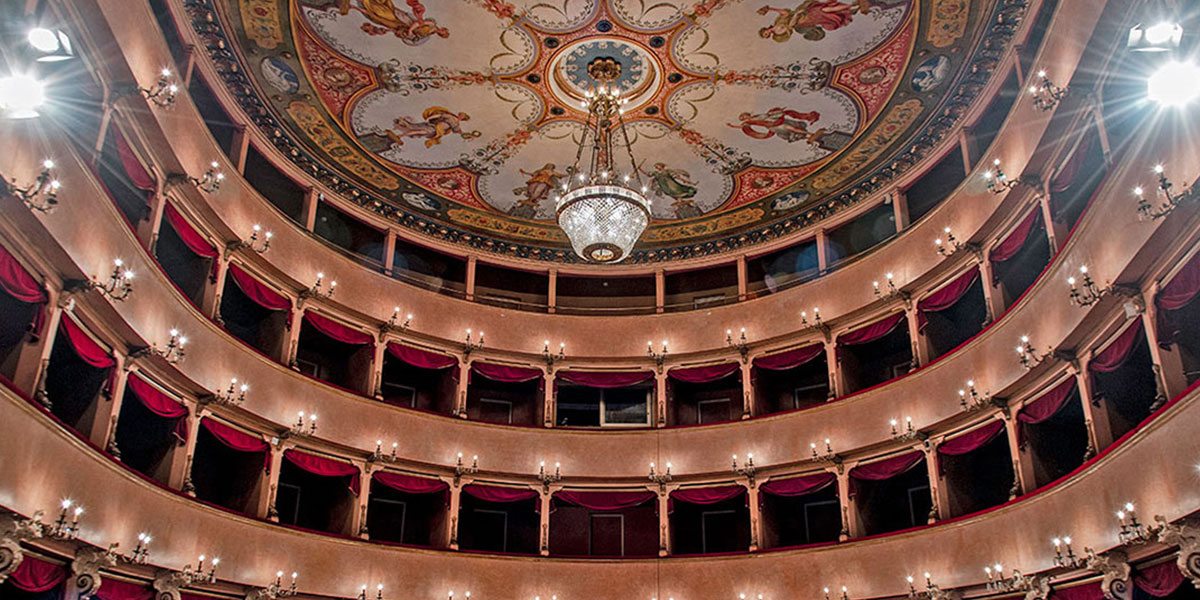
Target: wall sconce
pixel 971 399
pixel 163 92
pixel 362 593
pixel 743 597
pixel 550 358
pixel 997 181
pixel 662 478
pixel 1134 531
pixel 909 433
pixel 1027 355
pixel 845 594
pixel 319 289
pixel 660 356
pixel 931 591
pixel 393 323
pixel 1065 558
pixel 746 469
pixel 816 322
pixel 173 352
pixel 119 284
pixel 467 595
pixel 41 195
pixel 891 287
pixel 1146 210
pixel 740 344
pixel 66 527
pixel 276 589
pixel 140 554
pixel 198 575
pixel 829 456
pixel 259 242
pixel 470 345
pixel 549 478
pixel 947 244
pixel 378 455
pixel 998 583
pixel 461 469
pixel 304 427
pixel 1090 293
pixel 1045 94
pixel 234 395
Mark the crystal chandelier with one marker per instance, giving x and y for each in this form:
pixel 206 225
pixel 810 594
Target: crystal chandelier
pixel 603 211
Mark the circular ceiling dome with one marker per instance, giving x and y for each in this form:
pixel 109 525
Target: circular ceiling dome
pixel 749 120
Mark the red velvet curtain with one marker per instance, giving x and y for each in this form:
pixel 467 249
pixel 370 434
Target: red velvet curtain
pixel 798 486
pixel 410 484
pixel 1159 581
pixel 605 380
pixel 36 575
pixel 257 291
pixel 706 374
pixel 869 333
pixel 790 359
pixel 326 467
pixel 1114 356
pixel 1176 294
pixel 948 295
pixel 115 589
pixel 421 359
pixel 193 239
pixel 708 495
pixel 1008 248
pixel 604 500
pixel 1070 170
pixel 1087 591
pixel 137 174
pixel 1044 407
pixel 242 442
pixel 159 403
pixel 884 469
pixel 87 349
pixel 505 373
pixel 337 331
pixel 495 493
pixel 18 283
pixel 969 441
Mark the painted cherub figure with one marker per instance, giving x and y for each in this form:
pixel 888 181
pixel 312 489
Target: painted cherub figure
pixel 411 27
pixel 812 19
pixel 535 190
pixel 438 123
pixel 677 185
pixel 790 125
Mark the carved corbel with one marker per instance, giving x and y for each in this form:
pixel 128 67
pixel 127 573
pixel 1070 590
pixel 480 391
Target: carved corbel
pixel 85 570
pixel 168 583
pixel 1039 588
pixel 1116 574
pixel 1187 538
pixel 14 529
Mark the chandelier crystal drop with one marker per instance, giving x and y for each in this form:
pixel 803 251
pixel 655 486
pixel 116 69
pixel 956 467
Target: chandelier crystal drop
pixel 603 210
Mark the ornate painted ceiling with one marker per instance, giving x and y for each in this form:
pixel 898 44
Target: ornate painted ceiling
pixel 748 118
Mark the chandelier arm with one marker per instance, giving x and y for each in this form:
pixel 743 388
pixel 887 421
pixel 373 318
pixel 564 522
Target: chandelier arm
pixel 587 126
pixel 637 173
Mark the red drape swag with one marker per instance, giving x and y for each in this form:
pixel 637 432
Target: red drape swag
pixel 1114 356
pixel 191 238
pixel 338 331
pixel 326 467
pixel 1176 294
pixel 605 380
pixel 969 441
pixel 1044 407
pixel 495 493
pixel 1070 170
pixel 706 495
pixel 798 486
pixel 18 283
pixel 948 295
pixel 1008 248
pixel 505 373
pixel 1160 580
pixel 1087 591
pixel 257 291
pixel 159 403
pixel 705 374
pixel 36 575
pixel 242 442
pixel 790 359
pixel 605 500
pixel 884 469
pixel 869 333
pixel 114 589
pixel 410 484
pixel 87 348
pixel 138 175
pixel 421 359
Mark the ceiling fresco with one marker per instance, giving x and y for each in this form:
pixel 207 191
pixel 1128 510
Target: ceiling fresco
pixel 462 115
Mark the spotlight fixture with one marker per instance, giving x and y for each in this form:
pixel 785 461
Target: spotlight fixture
pixel 1175 84
pixel 947 244
pixel 41 195
pixel 259 241
pixel 548 478
pixel 1045 94
pixel 119 284
pixel 1090 294
pixel 1146 210
pixel 551 358
pixel 163 92
pixel 1160 37
pixel 52 45
pixel 319 289
pixel 21 95
pixel 305 426
pixel 997 181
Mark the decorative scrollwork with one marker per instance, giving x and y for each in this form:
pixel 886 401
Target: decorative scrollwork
pixel 1187 539
pixel 1116 572
pixel 168 583
pixel 86 569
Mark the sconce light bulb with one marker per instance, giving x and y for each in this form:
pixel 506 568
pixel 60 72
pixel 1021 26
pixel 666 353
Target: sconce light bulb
pixel 173 332
pixel 78 510
pixel 216 561
pixel 1067 541
pixel 1083 269
pixel 996 162
pixel 1057 542
pixel 894 423
pixel 668 465
pixel 66 503
pixel 970 383
pixel 320 275
pixel 1138 191
pixel 279 573
pixel 1158 169
pixel 888 276
pixel 1129 507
